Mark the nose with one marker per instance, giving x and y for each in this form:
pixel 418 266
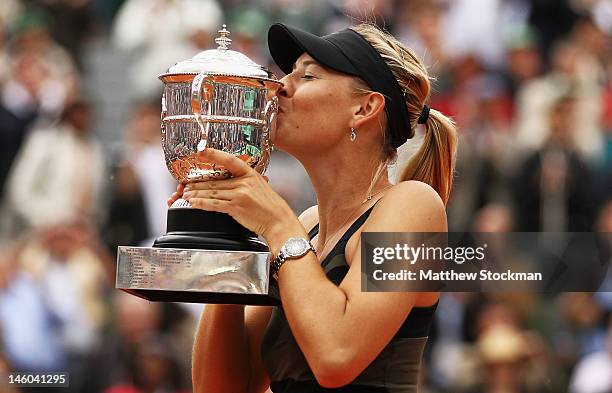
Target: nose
pixel 284 89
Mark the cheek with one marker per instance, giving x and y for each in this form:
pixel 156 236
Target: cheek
pixel 313 117
pixel 320 112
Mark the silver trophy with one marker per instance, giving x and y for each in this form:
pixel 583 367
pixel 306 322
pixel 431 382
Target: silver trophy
pixel 223 100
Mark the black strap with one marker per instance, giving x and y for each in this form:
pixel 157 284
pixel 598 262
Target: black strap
pixel 353 228
pixel 313 231
pixel 356 225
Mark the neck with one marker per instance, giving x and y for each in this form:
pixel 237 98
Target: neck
pixel 341 186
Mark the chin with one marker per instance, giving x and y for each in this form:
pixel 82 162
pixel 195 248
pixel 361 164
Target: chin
pixel 280 142
pixel 278 135
pixel 288 140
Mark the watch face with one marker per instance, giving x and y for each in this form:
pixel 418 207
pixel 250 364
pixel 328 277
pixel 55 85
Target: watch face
pixel 296 246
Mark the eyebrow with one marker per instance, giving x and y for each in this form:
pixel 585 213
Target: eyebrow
pixel 304 64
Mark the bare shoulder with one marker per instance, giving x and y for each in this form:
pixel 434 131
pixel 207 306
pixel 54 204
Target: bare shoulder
pixel 414 191
pixel 409 206
pixel 309 217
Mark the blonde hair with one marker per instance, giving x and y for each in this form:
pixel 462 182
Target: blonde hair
pixel 433 163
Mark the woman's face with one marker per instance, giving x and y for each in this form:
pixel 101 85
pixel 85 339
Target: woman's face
pixel 316 106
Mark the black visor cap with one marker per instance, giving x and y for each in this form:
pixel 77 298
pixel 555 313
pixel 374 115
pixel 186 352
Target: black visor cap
pixel 287 44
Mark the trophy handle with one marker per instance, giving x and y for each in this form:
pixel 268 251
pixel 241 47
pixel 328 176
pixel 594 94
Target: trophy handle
pixel 164 112
pixel 269 113
pixel 196 106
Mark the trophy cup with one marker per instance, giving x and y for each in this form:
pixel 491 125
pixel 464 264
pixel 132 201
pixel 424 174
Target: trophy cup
pixel 223 100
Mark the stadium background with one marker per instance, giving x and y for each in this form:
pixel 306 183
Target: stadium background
pixel 81 171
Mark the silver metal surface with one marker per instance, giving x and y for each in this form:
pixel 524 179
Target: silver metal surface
pixel 216 119
pixel 172 269
pixel 182 76
pixel 221 99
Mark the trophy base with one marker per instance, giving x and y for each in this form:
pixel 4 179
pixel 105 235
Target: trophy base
pixel 206 257
pixel 203 297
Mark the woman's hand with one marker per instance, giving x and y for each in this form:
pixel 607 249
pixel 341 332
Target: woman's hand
pixel 247 197
pixel 176 195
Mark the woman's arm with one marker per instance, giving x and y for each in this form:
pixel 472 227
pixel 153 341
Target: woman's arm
pixel 226 352
pixel 341 329
pixel 226 349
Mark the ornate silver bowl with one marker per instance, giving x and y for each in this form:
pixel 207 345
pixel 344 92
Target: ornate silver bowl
pixel 221 99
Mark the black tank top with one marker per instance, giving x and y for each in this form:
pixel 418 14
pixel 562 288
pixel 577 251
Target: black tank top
pixel 394 370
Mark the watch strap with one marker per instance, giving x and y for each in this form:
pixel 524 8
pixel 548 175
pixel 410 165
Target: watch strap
pixel 281 258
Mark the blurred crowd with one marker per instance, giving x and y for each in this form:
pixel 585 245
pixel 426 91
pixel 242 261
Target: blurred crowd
pixel 527 81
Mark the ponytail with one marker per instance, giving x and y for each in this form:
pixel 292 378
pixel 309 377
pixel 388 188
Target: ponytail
pixel 434 162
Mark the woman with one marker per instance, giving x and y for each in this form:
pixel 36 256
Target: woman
pixel 348 101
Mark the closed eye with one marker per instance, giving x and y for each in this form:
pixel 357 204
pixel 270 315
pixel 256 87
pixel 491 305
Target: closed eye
pixel 308 77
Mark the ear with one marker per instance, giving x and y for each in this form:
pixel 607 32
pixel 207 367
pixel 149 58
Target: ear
pixel 368 109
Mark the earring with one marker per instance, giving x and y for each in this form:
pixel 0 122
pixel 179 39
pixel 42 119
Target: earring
pixel 353 135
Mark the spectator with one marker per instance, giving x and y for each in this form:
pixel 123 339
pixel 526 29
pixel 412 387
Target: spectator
pixel 420 26
pixel 74 23
pixel 57 78
pixel 155 369
pixel 572 69
pixel 133 319
pixel 59 174
pixel 592 373
pixel 552 186
pixel 70 268
pixel 159 33
pixel 503 350
pixel 463 33
pixel 17 117
pixel 29 339
pixel 523 58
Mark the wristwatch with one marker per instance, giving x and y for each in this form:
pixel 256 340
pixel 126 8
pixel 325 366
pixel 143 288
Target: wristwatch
pixel 294 247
